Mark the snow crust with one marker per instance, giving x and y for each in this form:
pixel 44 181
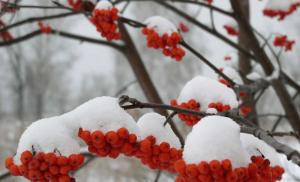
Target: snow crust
pixel 206 90
pixel 215 138
pixel 279 4
pixel 103 113
pixel 211 111
pixel 103 4
pixel 153 124
pixel 161 25
pixel 233 74
pixel 47 135
pixel 257 147
pixel 254 76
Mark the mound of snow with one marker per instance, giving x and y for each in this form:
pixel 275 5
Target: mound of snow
pixel 153 124
pixel 47 135
pixel 104 4
pixel 102 113
pixel 161 25
pixel 215 138
pixel 257 147
pixel 279 4
pixel 206 90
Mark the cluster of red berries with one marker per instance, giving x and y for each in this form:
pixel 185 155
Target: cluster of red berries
pixel 45 167
pixel 105 21
pixel 46 29
pixel 245 110
pixel 75 4
pixel 281 14
pixel 192 104
pixel 231 30
pixel 282 41
pixel 158 156
pixel 219 106
pixel 112 144
pixel 221 171
pixel 5 7
pixel 168 43
pixel 183 28
pixel 5 35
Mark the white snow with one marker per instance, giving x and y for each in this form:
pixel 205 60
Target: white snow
pixel 161 25
pixel 102 113
pixel 206 90
pixel 104 5
pixel 233 74
pixel 211 111
pixel 257 147
pixel 253 76
pixel 47 135
pixel 215 138
pixel 283 5
pixel 153 124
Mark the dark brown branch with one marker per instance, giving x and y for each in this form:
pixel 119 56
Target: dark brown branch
pixel 63 34
pixel 217 9
pixel 34 19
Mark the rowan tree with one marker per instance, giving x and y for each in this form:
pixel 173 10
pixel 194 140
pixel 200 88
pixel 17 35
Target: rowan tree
pixel 227 141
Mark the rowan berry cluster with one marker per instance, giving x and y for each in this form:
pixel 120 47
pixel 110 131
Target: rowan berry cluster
pixel 192 104
pixel 259 170
pixel 169 43
pixel 231 30
pixel 75 4
pixel 5 35
pixel 183 28
pixel 105 21
pixel 46 29
pixel 281 14
pixel 158 156
pixel 282 41
pixel 111 143
pixel 45 167
pixel 219 106
pixel 245 110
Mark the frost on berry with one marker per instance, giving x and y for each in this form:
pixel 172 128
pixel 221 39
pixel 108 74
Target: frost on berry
pixel 5 35
pixel 105 18
pixel 162 34
pixel 232 28
pixel 280 9
pixel 40 166
pixel 282 41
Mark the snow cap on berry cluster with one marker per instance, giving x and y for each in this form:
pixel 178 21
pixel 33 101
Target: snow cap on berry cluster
pixel 104 4
pixel 215 138
pixel 257 147
pixel 279 4
pixel 104 114
pixel 152 124
pixel 160 25
pixel 47 135
pixel 206 90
